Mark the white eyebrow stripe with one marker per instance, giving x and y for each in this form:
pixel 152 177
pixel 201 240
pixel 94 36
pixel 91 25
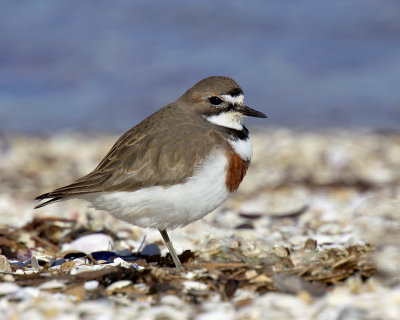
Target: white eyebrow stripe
pixel 238 100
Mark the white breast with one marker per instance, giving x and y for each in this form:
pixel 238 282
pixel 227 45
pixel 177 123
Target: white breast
pixel 175 206
pixel 243 148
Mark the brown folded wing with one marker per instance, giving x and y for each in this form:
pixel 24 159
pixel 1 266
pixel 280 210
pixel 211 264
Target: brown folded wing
pixel 159 151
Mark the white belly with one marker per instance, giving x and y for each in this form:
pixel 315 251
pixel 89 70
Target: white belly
pixel 170 207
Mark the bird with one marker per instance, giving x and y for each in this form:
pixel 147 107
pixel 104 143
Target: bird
pixel 175 166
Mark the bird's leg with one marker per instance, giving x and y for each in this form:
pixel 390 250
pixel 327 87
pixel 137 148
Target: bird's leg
pixel 171 249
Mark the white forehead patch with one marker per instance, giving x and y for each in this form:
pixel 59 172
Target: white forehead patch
pixel 238 100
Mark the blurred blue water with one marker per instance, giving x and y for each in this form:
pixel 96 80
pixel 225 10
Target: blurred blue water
pixel 105 65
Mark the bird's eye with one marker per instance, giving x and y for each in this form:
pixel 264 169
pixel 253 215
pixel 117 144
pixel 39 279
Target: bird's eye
pixel 215 101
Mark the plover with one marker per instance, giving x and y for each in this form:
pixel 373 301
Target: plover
pixel 175 166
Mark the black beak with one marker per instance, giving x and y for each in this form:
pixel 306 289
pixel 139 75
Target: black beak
pixel 249 112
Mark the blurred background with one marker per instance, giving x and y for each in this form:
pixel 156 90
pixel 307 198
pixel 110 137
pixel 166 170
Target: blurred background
pixel 75 75
pixel 104 66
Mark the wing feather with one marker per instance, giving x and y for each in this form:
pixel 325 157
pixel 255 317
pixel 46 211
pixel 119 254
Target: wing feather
pixel 147 155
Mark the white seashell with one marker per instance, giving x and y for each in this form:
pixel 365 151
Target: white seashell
pixel 90 243
pixel 52 284
pixel 173 301
pixel 4 264
pixel 194 285
pixel 7 288
pixel 86 268
pixel 118 285
pixel 122 263
pixel 91 285
pixel 35 263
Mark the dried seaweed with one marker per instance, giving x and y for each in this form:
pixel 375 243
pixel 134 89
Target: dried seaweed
pixel 290 270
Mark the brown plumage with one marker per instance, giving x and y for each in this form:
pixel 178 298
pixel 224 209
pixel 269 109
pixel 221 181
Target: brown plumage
pixel 147 155
pixel 236 171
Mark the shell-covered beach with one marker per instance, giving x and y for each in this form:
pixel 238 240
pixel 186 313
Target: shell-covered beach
pixel 312 233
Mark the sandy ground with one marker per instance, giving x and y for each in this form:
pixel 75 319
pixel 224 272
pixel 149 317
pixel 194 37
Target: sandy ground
pixel 308 198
